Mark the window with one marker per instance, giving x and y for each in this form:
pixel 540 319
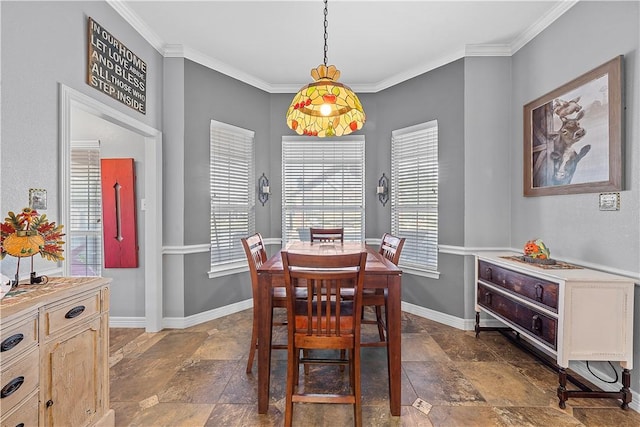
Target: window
pixel 232 177
pixel 322 186
pixel 414 193
pixel 85 225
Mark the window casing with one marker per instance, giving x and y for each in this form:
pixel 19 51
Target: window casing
pixel 232 177
pixel 414 194
pixel 322 186
pixel 84 232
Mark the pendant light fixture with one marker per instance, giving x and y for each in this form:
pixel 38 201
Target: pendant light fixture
pixel 325 108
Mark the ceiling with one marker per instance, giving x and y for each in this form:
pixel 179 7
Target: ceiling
pixel 273 45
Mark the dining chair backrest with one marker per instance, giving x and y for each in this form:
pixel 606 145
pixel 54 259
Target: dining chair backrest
pixel 391 247
pixel 326 234
pixel 256 256
pixel 325 275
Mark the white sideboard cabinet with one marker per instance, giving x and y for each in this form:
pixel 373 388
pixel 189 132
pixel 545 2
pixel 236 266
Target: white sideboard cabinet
pixel 570 313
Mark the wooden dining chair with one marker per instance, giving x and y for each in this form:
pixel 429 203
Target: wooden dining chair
pixel 326 234
pixel 323 320
pixel 390 248
pixel 256 256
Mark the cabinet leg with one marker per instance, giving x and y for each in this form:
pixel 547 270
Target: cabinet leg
pixel 562 388
pixel 477 328
pixel 626 393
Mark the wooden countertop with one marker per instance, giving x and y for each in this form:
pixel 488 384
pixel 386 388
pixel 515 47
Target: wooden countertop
pixel 33 296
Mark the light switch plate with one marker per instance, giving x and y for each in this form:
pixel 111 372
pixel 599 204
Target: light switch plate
pixel 609 201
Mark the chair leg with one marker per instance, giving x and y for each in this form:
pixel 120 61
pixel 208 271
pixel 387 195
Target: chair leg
pixel 357 388
pixel 379 322
pixel 292 378
pixel 254 344
pixel 296 377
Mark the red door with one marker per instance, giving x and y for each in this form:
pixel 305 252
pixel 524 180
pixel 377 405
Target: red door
pixel 119 213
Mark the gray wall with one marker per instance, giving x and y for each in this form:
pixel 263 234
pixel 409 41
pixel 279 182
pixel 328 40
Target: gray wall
pixel 44 44
pixel 487 151
pixel 436 95
pixel 487 155
pixel 572 225
pixel 589 34
pixel 173 167
pixel 212 95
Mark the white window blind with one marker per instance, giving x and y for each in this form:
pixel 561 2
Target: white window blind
pixel 414 193
pixel 322 186
pixel 232 189
pixel 84 231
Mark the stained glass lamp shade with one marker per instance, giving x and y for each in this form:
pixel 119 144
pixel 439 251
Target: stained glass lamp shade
pixel 325 108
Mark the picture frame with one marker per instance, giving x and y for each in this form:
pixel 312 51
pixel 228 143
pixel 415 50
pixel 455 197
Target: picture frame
pixel 573 135
pixel 37 198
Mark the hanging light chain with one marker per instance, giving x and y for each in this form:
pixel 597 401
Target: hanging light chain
pixel 326 35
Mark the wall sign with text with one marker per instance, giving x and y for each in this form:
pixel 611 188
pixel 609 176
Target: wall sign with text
pixel 116 70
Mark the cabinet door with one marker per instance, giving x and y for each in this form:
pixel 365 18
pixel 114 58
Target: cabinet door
pixel 73 376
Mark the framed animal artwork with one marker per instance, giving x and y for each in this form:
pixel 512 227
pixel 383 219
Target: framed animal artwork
pixel 573 135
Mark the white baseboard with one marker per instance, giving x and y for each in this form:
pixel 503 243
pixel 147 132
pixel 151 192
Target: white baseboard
pixel 182 322
pixel 447 319
pixel 196 319
pixel 127 322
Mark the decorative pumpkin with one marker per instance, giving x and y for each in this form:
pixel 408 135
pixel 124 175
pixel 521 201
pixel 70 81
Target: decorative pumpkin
pixel 23 244
pixel 30 233
pixel 536 249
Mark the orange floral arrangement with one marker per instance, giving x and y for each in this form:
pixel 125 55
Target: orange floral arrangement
pixel 30 233
pixel 536 249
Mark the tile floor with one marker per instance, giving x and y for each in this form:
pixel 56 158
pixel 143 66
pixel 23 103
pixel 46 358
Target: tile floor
pixel 196 377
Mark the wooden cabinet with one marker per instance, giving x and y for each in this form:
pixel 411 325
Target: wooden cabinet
pixel 569 313
pixel 54 342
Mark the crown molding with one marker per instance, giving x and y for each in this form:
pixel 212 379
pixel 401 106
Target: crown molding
pixel 487 50
pixel 415 71
pixel 537 27
pixel 227 69
pixel 138 24
pixel 176 51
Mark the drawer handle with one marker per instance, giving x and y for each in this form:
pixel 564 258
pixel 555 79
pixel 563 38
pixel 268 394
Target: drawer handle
pixel 11 342
pixel 49 403
pixel 487 298
pixel 489 273
pixel 11 387
pixel 74 312
pixel 536 324
pixel 539 290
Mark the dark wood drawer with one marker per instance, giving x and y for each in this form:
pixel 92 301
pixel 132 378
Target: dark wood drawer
pixel 536 290
pixel 538 324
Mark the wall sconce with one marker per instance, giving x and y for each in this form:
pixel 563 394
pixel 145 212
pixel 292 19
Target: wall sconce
pixel 263 189
pixel 383 190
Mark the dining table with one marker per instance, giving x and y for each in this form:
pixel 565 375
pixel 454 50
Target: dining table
pixel 380 273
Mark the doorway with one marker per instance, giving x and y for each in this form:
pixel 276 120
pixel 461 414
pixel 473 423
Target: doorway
pixel 75 106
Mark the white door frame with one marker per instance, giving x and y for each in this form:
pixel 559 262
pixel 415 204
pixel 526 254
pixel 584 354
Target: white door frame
pixel 69 98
